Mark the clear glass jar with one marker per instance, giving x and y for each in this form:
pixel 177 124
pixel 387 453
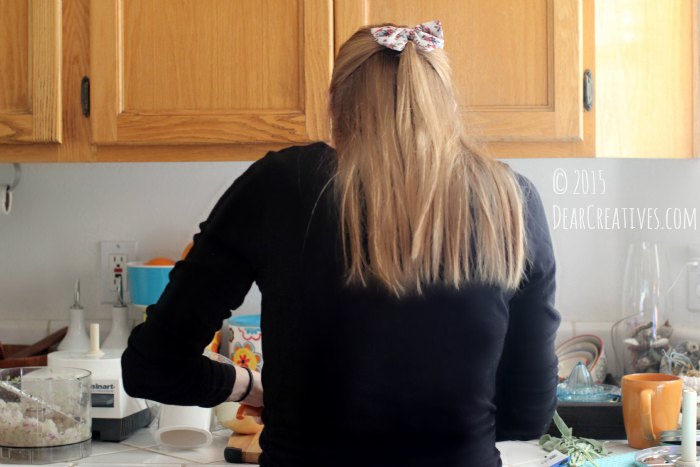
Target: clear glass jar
pixel 643 334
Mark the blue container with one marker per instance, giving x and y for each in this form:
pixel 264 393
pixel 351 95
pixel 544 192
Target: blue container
pixel 147 283
pixel 245 321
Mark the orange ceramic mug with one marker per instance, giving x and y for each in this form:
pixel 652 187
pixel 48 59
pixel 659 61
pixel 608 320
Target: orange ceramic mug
pixel 651 403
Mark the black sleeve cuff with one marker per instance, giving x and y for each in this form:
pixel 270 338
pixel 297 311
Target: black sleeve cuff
pixel 223 377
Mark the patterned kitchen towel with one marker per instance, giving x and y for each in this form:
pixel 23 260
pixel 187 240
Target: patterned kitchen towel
pixel 622 460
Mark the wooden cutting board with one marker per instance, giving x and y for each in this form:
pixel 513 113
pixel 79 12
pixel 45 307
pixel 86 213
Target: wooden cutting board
pixel 243 449
pixel 41 346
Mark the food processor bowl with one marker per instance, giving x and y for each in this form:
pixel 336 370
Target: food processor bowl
pixel 44 415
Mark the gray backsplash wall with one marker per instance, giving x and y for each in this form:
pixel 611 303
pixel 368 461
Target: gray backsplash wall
pixel 62 211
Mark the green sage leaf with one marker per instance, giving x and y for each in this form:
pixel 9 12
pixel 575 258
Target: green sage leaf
pixel 561 425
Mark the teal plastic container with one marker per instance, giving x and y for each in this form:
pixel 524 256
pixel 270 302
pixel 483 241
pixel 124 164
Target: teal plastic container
pixel 147 283
pixel 246 321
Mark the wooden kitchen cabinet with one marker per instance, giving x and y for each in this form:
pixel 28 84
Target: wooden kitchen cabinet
pixel 519 71
pixel 209 71
pixel 30 71
pixel 517 65
pixel 647 75
pixel 207 80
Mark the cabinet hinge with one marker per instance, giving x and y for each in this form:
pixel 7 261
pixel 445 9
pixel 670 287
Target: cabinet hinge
pixel 85 96
pixel 587 90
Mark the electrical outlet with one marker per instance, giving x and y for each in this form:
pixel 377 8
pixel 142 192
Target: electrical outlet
pixel 117 271
pixel 114 255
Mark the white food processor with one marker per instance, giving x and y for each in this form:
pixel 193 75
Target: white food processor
pixel 115 414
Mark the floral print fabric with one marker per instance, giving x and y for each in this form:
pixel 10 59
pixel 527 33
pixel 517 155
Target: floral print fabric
pixel 426 36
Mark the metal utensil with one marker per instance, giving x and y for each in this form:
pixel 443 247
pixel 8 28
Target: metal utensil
pixel 673 437
pixel 37 408
pixel 658 456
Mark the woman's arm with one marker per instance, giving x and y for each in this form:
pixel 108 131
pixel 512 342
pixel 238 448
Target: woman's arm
pixel 164 361
pixel 527 374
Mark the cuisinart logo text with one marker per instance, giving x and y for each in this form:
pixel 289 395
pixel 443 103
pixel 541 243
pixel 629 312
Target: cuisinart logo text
pixel 102 387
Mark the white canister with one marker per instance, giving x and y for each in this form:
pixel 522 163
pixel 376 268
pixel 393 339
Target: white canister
pixel 184 427
pixel 245 341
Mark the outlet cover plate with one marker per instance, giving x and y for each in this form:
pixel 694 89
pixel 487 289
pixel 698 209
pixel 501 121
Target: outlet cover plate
pixel 109 248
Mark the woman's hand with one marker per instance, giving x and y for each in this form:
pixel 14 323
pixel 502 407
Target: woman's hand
pixel 240 386
pixel 252 405
pixel 255 398
pixel 248 411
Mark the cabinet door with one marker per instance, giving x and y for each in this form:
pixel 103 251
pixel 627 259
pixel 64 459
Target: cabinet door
pixel 516 64
pixel 30 71
pixel 209 71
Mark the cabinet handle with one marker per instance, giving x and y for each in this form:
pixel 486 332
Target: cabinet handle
pixel 587 90
pixel 85 96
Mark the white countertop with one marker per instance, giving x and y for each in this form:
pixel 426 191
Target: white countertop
pixel 141 449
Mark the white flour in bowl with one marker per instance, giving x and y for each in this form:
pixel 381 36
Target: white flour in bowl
pixel 18 429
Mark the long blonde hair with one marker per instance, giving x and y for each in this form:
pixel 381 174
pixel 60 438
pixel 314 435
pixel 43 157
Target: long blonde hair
pixel 418 205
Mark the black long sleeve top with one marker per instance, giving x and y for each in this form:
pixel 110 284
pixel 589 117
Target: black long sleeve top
pixel 353 376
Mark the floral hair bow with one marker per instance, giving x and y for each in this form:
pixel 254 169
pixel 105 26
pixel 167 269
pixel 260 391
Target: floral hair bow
pixel 426 36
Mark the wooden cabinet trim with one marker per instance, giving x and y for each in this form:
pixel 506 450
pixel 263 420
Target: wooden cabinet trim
pixel 16 127
pixel 43 123
pixel 350 15
pixel 486 125
pixel 318 66
pixel 567 64
pixel 105 60
pixel 206 128
pixel 46 46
